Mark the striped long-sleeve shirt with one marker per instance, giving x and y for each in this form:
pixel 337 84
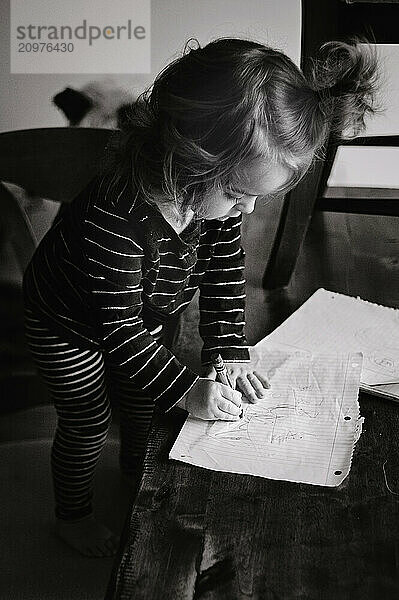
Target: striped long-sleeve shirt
pixel 112 270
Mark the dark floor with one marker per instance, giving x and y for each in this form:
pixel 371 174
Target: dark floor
pixel 355 255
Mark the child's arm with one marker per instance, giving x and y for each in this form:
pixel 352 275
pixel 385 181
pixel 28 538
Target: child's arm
pixel 150 365
pixel 222 298
pixel 222 313
pixel 114 261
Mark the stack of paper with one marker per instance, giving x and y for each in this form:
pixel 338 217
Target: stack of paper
pixel 331 322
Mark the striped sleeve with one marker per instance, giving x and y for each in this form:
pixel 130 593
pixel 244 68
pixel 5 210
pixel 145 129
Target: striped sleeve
pixel 114 263
pixel 222 298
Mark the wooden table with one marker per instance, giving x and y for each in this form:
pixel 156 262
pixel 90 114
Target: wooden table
pixel 200 534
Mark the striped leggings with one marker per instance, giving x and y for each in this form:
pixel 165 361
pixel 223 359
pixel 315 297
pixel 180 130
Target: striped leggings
pixel 81 385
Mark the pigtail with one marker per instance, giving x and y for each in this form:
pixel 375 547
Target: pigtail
pixel 345 78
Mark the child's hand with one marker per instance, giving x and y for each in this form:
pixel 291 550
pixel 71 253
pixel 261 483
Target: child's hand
pixel 251 383
pixel 210 400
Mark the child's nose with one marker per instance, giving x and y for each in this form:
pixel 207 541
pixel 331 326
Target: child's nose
pixel 248 206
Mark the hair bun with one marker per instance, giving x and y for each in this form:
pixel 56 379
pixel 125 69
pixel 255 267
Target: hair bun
pixel 346 72
pixel 328 92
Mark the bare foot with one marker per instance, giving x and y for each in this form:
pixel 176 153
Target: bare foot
pixel 88 536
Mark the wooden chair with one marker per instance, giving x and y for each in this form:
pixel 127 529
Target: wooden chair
pixel 324 20
pixel 52 164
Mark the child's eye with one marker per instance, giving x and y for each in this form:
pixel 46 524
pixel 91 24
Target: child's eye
pixel 235 197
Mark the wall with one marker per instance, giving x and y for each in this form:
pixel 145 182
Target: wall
pixel 375 167
pixel 25 99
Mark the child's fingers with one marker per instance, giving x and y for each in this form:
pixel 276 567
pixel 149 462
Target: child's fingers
pixel 263 380
pixel 222 416
pixel 247 389
pixel 228 407
pixel 233 395
pixel 256 384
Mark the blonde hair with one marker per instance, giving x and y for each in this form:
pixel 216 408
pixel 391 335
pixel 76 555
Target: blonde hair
pixel 214 109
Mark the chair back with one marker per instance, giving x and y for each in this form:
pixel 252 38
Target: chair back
pixel 48 164
pixel 54 163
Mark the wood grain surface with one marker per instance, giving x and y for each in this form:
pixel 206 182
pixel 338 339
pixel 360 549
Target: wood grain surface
pixel 199 534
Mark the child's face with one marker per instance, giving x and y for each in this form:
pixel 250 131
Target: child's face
pixel 257 180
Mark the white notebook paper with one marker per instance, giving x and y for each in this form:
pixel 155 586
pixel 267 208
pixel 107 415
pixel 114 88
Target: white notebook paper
pixel 332 322
pixel 304 430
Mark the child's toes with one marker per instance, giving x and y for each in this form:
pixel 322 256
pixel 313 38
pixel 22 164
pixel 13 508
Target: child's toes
pixel 89 537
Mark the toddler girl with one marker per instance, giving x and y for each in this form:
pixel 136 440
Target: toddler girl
pixel 221 126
